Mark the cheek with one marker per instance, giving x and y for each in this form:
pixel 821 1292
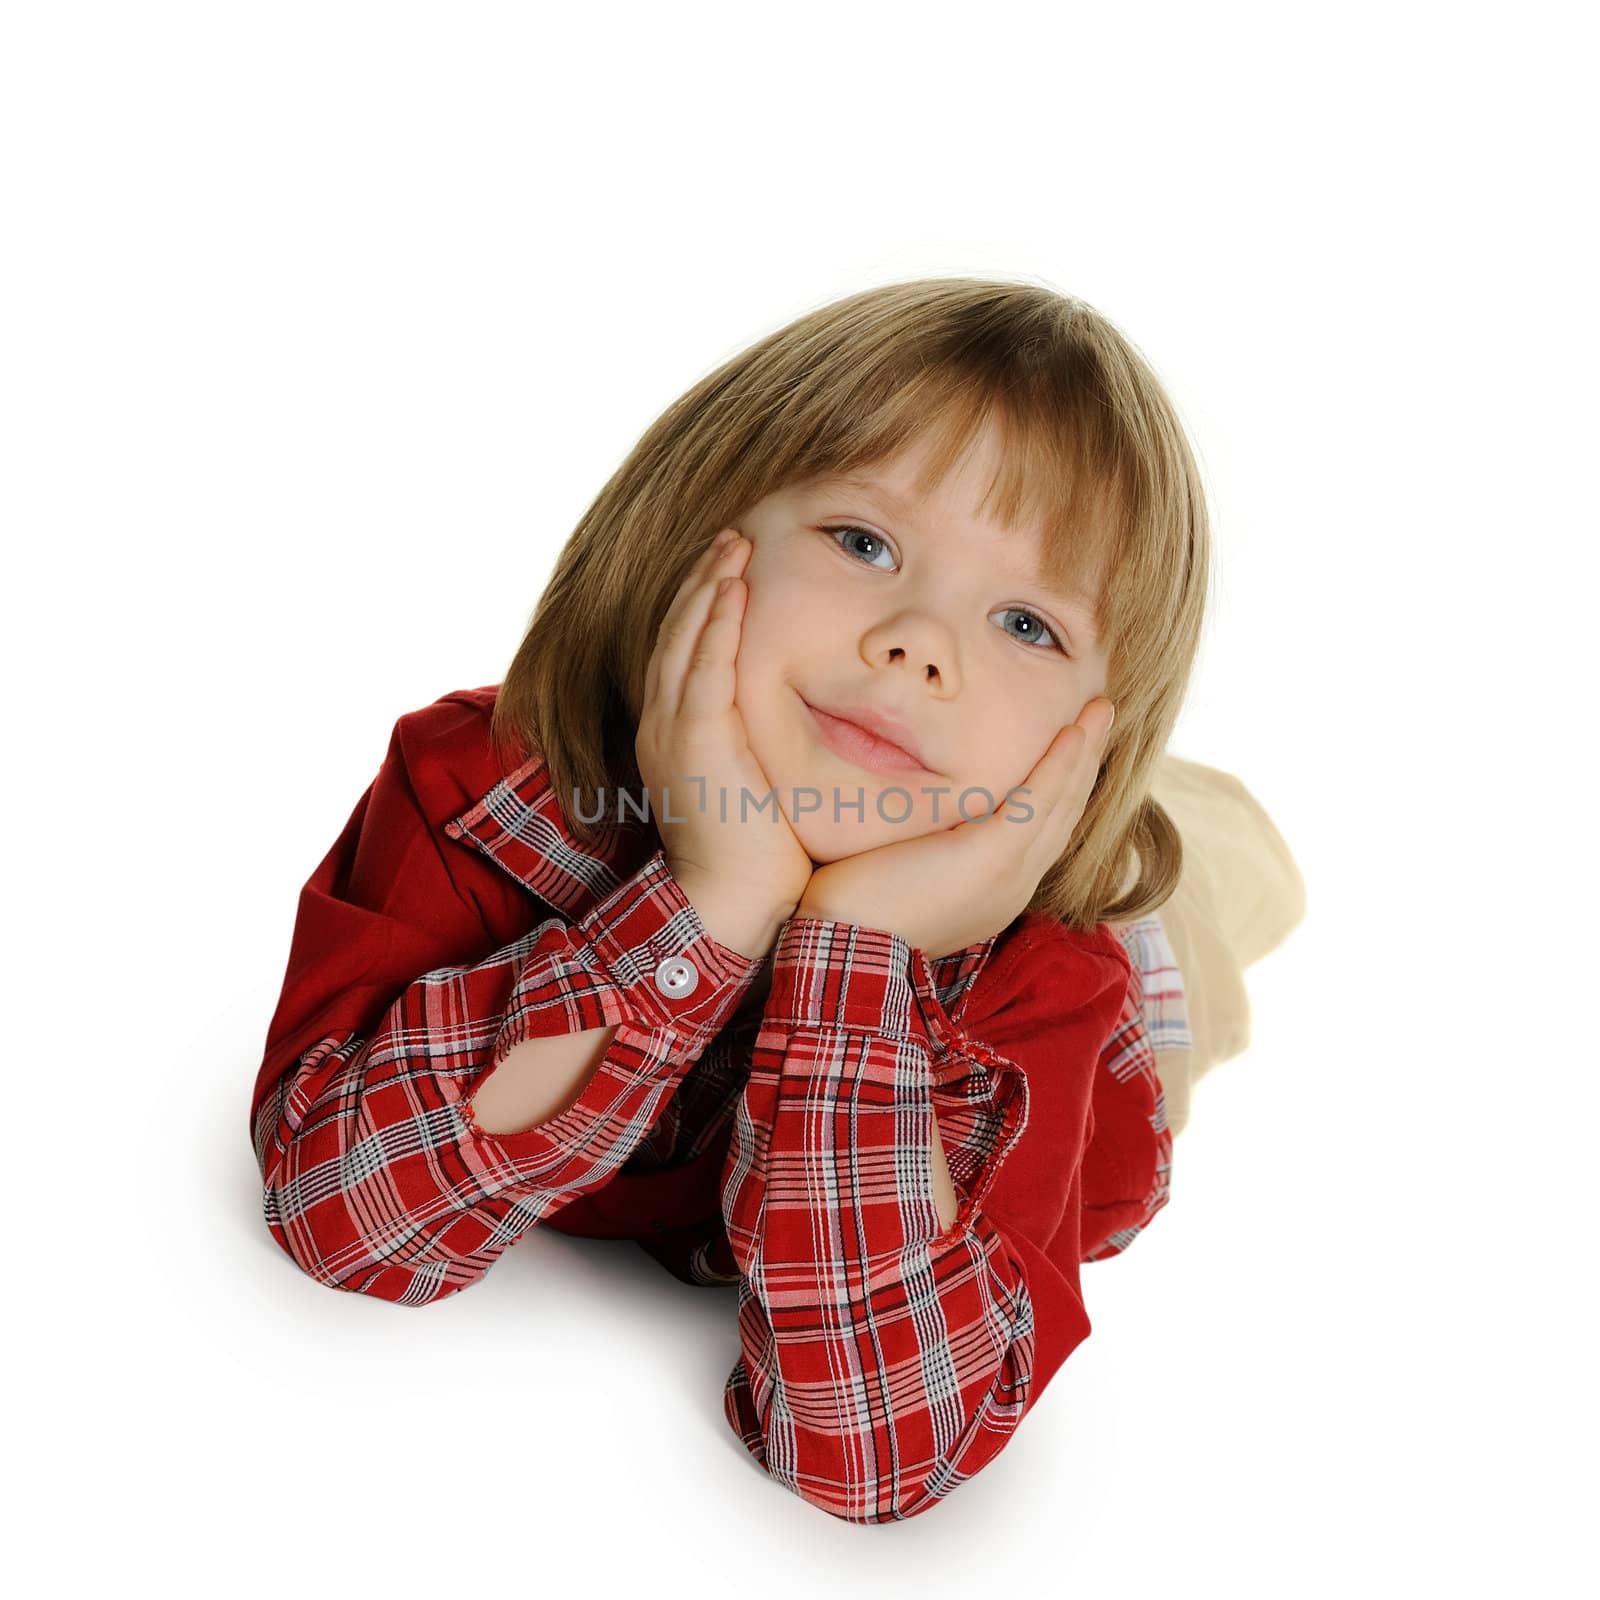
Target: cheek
pixel 1001 751
pixel 789 586
pixel 774 636
pixel 761 666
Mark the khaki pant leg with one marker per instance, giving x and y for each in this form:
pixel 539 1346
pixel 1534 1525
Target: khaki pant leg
pixel 1238 897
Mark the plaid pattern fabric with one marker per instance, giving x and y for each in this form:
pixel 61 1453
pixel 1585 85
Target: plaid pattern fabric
pixel 1154 1017
pixel 1161 996
pixel 778 1144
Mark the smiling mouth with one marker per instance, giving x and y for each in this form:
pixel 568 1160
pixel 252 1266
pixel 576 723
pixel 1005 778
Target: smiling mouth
pixel 858 746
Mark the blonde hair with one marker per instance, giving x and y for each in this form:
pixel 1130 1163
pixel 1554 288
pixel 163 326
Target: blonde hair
pixel 1093 452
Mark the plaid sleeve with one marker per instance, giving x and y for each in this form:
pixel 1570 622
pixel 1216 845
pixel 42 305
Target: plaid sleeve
pixel 1127 1168
pixel 885 1361
pixel 377 1179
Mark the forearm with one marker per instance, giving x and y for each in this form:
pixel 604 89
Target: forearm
pixel 841 1215
pixel 944 1192
pixel 539 1079
pixel 542 1077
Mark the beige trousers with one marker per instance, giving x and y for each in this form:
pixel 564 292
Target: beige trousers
pixel 1238 897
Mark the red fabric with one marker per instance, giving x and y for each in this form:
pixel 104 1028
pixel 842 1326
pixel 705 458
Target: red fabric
pixel 782 1145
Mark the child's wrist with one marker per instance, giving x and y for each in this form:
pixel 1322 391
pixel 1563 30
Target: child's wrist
pixel 727 916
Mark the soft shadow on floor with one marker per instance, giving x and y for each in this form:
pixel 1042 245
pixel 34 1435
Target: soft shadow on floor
pixel 698 1327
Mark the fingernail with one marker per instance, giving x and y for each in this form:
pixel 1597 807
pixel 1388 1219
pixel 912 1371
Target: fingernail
pixel 723 537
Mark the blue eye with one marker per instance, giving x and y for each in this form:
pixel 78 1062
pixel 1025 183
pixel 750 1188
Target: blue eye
pixel 1038 622
pixel 864 533
pixel 1030 640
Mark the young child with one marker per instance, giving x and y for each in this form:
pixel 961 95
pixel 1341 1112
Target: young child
pixel 790 907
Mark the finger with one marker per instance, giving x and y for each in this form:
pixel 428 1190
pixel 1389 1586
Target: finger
pixel 689 591
pixel 709 680
pixel 678 647
pixel 1066 771
pixel 1058 769
pixel 702 564
pixel 1050 776
pixel 1066 775
pixel 1059 784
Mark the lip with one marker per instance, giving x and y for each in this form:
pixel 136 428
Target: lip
pixel 868 738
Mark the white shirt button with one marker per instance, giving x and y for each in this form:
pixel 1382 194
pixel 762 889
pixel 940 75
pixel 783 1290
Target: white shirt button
pixel 676 977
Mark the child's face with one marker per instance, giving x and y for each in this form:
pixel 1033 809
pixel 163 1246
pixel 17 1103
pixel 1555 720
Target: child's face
pixel 927 623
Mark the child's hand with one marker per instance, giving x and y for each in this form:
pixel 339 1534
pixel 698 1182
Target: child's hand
pixel 943 891
pixel 691 729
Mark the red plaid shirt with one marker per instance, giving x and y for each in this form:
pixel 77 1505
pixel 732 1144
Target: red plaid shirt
pixel 782 1146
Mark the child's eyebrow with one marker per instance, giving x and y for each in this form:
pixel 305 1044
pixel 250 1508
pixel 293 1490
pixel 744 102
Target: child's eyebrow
pixel 885 496
pixel 1081 603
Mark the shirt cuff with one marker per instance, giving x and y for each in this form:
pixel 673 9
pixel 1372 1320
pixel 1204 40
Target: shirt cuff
pixel 623 961
pixel 655 948
pixel 865 980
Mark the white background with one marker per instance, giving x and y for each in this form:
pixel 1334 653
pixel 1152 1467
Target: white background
pixel 323 325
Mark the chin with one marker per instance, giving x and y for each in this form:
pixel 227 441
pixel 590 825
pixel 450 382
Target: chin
pixel 820 844
pixel 827 844
pixel 824 844
pixel 822 851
